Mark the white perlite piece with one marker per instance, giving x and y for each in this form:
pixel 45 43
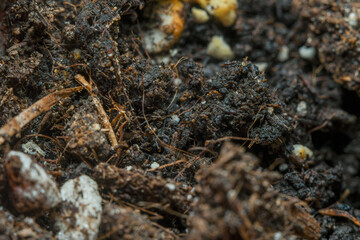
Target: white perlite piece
pixel 223 10
pixel 302 151
pixel 283 54
pixel 166 23
pixel 262 66
pixel 307 53
pixel 353 19
pixel 32 189
pixel 200 15
pixel 170 186
pixel 219 49
pixel 301 109
pixel 80 213
pixel 154 165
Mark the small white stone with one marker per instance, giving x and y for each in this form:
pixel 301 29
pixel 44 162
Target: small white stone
pixel 302 151
pixel 129 168
pixel 262 66
pixel 173 52
pixel 200 15
pixel 33 189
pixel 81 205
pixel 307 53
pixel 278 236
pixel 189 197
pixel 225 11
pixel 352 19
pixel 154 165
pixel 170 186
pixel 283 54
pixel 301 109
pixel 165 59
pixel 219 49
pixel 231 194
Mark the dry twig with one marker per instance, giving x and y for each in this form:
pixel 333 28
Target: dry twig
pixel 17 123
pixel 340 213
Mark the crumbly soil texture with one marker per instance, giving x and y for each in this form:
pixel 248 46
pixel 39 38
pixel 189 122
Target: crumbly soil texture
pixel 181 144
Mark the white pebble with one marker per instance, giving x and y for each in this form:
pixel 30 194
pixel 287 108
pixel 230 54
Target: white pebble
pixel 307 53
pixel 262 66
pixel 32 189
pixel 200 15
pixel 170 186
pixel 223 10
pixel 173 52
pixel 302 151
pixel 301 109
pixel 219 49
pixel 278 236
pixel 154 165
pixel 352 19
pixel 80 214
pixel 283 54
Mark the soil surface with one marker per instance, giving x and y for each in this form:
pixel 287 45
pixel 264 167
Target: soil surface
pixel 257 140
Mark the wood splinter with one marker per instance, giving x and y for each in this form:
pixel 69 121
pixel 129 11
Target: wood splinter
pixel 15 125
pixel 340 213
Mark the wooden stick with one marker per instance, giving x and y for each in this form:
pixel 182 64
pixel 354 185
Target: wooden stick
pixel 17 123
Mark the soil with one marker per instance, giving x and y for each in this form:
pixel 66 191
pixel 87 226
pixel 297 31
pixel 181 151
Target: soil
pixel 180 144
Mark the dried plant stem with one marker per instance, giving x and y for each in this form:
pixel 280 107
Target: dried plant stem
pixel 17 123
pixel 103 116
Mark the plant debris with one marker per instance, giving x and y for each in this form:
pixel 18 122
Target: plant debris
pixel 182 119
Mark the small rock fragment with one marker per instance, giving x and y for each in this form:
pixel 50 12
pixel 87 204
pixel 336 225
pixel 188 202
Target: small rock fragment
pixel 165 27
pixel 32 189
pixel 353 19
pixel 301 109
pixel 222 10
pixel 80 213
pixel 283 54
pixel 302 151
pixel 200 15
pixel 307 53
pixel 154 165
pixel 170 186
pixel 219 49
pixel 262 66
